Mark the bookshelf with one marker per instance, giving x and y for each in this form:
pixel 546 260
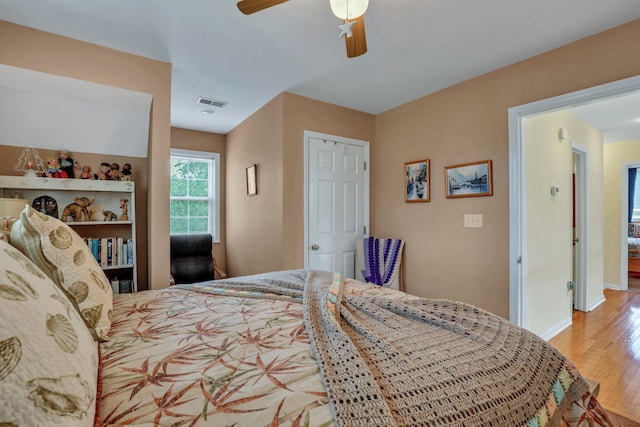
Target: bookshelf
pixel 108 196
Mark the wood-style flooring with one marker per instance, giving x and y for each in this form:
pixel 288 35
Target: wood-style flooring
pixel 605 346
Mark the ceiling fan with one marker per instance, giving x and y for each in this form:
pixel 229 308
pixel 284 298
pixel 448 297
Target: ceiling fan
pixel 350 11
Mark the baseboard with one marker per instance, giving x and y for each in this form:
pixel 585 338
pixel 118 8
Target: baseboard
pixel 611 286
pixel 556 330
pixel 594 306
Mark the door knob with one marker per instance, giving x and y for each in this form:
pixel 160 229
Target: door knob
pixel 315 247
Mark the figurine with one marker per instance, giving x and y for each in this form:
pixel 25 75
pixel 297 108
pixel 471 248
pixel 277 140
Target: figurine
pixel 127 175
pixel 86 173
pixel 104 173
pixel 53 170
pixel 78 210
pixel 115 172
pixel 109 216
pixel 66 163
pixel 124 205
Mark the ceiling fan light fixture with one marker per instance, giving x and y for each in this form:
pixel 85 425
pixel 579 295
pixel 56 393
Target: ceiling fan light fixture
pixel 356 8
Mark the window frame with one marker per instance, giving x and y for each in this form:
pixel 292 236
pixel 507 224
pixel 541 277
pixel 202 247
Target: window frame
pixel 214 186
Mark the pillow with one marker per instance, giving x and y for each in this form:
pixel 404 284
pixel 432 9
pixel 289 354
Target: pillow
pixel 5 227
pixel 48 359
pixel 62 254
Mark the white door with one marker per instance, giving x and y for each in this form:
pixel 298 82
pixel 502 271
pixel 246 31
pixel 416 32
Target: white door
pixel 337 202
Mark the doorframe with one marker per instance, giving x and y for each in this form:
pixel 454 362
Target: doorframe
pixel 518 302
pixel 582 226
pixel 624 222
pixel 367 174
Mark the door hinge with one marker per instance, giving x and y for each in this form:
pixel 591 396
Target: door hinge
pixel 364 230
pixel 365 165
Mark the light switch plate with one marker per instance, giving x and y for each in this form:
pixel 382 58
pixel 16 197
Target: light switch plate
pixel 473 220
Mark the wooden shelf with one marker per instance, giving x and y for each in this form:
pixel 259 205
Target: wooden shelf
pixel 106 195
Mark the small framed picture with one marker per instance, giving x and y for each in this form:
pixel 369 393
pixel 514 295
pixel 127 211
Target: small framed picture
pixel 417 181
pixel 252 188
pixel 468 179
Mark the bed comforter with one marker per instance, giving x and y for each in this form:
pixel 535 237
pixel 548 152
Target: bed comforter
pixel 238 352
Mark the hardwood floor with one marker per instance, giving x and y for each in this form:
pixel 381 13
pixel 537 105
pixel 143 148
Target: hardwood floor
pixel 605 346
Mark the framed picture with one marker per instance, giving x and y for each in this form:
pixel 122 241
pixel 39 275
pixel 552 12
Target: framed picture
pixel 252 188
pixel 417 181
pixel 468 180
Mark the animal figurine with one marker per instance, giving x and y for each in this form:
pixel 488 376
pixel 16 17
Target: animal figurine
pixel 124 205
pixel 79 209
pixel 109 216
pixel 126 173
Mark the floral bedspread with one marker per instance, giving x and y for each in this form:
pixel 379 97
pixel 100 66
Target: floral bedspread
pixel 185 358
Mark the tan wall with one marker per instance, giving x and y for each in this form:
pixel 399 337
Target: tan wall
pixel 302 114
pixel 45 52
pixel 468 122
pixel 615 156
pixel 215 143
pixel 254 223
pixel 266 232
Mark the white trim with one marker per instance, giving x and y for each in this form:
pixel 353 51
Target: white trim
pixel 550 333
pixel 598 303
pixel 214 184
pixel 517 197
pixel 611 286
pixel 361 143
pixel 583 219
pixel 517 219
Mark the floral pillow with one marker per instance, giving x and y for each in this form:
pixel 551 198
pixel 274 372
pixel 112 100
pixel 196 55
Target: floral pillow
pixel 62 254
pixel 48 359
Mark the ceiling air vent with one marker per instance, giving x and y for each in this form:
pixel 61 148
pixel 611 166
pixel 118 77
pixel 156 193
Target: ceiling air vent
pixel 212 102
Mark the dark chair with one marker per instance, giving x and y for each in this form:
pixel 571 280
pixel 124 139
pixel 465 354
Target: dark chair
pixel 192 259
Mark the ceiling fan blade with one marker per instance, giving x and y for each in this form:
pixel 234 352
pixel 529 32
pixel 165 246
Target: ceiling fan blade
pixel 357 43
pixel 252 6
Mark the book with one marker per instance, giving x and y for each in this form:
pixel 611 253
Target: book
pixel 120 259
pixel 103 252
pixel 109 251
pixel 95 249
pixel 125 254
pixel 130 252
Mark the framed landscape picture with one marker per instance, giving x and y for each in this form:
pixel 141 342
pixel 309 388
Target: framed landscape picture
pixel 417 181
pixel 468 179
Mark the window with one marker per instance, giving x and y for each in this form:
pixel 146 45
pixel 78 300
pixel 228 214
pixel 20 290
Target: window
pixel 194 195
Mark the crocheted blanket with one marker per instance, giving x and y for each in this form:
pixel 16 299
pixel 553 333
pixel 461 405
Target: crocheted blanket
pixel 412 361
pixel 380 259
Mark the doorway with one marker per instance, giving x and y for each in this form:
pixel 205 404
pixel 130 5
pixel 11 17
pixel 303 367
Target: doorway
pixel 580 230
pixel 520 304
pixel 336 201
pixel 626 270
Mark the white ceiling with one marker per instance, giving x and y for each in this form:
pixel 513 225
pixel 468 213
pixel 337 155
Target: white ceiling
pixel 416 47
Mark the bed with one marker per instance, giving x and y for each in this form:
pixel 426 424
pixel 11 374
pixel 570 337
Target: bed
pixel 633 247
pixel 289 348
